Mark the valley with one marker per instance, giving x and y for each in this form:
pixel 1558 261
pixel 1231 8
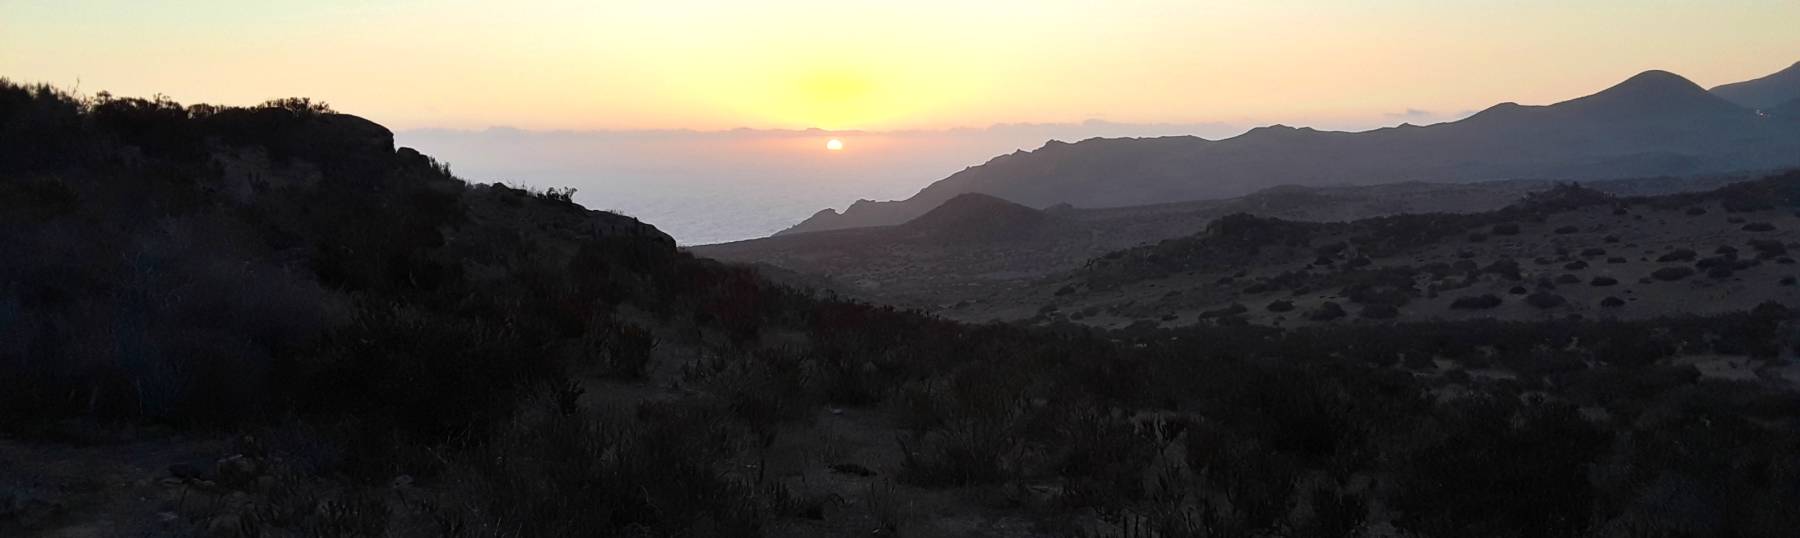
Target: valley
pixel 1576 319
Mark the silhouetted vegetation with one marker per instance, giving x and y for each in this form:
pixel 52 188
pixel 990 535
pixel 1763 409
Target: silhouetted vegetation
pixel 396 322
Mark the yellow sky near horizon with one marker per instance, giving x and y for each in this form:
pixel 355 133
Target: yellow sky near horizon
pixel 884 65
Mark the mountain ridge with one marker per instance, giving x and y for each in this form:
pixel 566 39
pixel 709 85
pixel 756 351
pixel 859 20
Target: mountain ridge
pixel 1653 123
pixel 1766 92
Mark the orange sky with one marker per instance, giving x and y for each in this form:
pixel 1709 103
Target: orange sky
pixel 886 65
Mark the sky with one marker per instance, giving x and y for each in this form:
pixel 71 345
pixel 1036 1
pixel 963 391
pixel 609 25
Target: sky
pixel 710 119
pixel 925 64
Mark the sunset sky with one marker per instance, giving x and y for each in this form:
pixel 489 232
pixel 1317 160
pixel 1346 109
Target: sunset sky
pixel 886 65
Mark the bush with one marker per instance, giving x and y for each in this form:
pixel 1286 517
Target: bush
pixel 1668 274
pixel 1380 311
pixel 1477 302
pixel 1231 310
pixel 623 351
pixel 1493 465
pixel 1768 248
pixel 1506 268
pixel 559 476
pixel 1545 300
pixel 419 372
pixel 1327 311
pixel 1677 255
pixel 981 450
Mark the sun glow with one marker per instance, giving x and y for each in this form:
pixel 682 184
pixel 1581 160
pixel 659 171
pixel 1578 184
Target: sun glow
pixel 834 145
pixel 934 64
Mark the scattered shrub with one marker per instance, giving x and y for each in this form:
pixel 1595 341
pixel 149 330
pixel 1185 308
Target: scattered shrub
pixel 1677 255
pixel 1672 273
pixel 1380 311
pixel 1545 300
pixel 1327 311
pixel 1477 302
pixel 1231 310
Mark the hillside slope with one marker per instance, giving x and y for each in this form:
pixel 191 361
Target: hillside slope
pixel 987 257
pixel 1565 252
pixel 1764 93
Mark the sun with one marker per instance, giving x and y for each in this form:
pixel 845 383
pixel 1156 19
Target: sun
pixel 834 145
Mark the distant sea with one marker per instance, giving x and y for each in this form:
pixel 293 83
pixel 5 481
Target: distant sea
pixel 705 187
pixel 699 212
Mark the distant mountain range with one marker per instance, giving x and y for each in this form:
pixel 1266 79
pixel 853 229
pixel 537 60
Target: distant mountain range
pixel 1777 91
pixel 1655 123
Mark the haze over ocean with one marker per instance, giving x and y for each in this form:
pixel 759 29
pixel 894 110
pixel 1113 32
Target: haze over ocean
pixel 710 187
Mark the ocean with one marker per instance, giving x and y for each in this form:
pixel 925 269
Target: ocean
pixel 704 187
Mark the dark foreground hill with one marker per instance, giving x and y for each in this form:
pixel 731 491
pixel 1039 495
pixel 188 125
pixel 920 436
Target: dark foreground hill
pixel 1655 123
pixel 267 321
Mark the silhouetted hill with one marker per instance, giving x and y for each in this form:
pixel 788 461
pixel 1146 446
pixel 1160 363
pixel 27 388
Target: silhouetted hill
pixel 1655 123
pixel 1648 97
pixel 975 216
pixel 1764 93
